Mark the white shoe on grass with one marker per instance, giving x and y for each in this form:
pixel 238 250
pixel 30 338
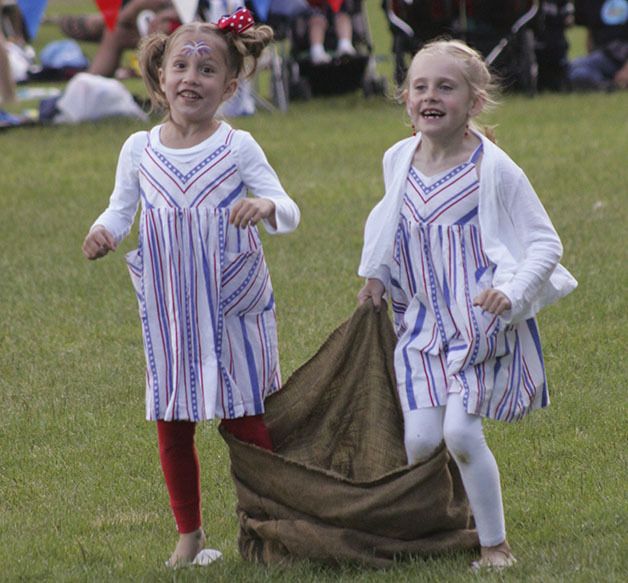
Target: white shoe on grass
pixel 202 559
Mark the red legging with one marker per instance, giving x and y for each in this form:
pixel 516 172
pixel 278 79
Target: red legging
pixel 179 462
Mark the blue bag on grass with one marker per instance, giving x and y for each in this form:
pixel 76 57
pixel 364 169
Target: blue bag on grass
pixel 63 54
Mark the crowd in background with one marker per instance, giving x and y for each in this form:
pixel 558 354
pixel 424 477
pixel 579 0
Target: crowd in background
pixel 604 67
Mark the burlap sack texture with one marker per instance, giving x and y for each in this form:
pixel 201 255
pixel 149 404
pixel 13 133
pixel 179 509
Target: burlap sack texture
pixel 338 487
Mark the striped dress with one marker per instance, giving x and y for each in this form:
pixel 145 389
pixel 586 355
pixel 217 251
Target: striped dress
pixel 204 292
pixel 445 344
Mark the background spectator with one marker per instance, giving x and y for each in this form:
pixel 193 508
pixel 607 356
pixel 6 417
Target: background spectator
pixel 125 35
pixel 7 84
pixel 318 23
pixel 605 67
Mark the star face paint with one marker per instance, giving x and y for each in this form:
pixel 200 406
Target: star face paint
pixel 196 49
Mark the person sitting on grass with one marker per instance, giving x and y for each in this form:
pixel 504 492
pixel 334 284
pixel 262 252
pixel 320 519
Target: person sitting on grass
pixel 468 256
pixel 605 66
pixel 206 302
pixel 7 83
pixel 124 36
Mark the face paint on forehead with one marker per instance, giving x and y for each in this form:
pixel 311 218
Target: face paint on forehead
pixel 196 48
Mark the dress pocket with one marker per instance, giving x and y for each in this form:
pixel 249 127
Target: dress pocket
pixel 490 323
pixel 245 286
pixel 484 277
pixel 135 265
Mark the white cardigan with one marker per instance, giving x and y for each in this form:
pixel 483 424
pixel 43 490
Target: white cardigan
pixel 517 234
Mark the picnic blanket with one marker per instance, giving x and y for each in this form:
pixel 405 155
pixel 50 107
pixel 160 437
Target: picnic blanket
pixel 338 487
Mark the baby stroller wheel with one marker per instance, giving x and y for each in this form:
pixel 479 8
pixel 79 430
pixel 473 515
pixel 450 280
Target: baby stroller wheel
pixel 298 86
pixel 528 66
pixel 301 90
pixel 280 83
pixel 516 64
pixel 374 86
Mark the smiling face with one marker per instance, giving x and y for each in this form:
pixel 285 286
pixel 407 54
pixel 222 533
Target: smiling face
pixel 438 98
pixel 195 77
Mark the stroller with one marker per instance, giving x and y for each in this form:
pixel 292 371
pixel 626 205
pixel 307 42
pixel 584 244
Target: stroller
pixel 342 74
pixel 502 30
pixel 280 15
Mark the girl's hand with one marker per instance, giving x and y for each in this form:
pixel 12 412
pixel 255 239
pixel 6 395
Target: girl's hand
pixel 621 77
pixel 373 289
pixel 249 211
pixel 492 301
pixel 98 243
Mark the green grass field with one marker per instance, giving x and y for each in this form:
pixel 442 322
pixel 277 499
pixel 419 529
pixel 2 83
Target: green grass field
pixel 81 492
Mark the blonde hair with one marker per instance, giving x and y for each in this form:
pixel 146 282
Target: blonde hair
pixel 482 82
pixel 242 53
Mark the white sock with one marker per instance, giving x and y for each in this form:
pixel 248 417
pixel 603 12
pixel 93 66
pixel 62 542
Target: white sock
pixel 345 47
pixel 318 54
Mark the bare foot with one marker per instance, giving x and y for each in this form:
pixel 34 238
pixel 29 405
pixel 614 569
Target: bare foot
pixel 189 545
pixel 498 557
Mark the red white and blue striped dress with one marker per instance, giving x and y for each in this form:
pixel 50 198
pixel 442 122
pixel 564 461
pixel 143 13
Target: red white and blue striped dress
pixel 445 344
pixel 204 292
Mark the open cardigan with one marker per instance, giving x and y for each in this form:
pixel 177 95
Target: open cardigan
pixel 517 233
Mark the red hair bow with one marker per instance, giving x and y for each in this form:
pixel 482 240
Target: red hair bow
pixel 238 22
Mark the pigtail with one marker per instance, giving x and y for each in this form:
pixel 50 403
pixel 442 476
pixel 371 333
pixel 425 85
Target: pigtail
pixel 246 47
pixel 250 44
pixel 150 57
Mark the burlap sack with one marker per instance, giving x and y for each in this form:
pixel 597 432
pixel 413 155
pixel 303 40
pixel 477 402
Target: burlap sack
pixel 337 488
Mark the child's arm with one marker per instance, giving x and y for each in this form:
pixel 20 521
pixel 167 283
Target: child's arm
pixel 374 290
pixel 536 247
pixel 382 221
pixel 115 223
pixel 262 181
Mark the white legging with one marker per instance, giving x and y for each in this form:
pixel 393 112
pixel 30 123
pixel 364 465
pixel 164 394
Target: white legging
pixel 426 428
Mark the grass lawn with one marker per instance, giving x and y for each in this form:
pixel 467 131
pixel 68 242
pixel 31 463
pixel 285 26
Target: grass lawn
pixel 81 492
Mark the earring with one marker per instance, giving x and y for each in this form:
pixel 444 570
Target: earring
pixel 413 130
